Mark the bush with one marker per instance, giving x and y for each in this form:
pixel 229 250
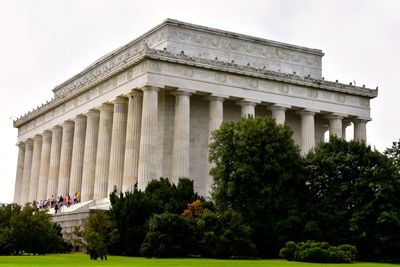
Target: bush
pixel 168 235
pixel 311 251
pixel 221 235
pixel 98 234
pixel 131 211
pixel 28 230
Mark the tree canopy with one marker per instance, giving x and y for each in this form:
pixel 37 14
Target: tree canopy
pixel 353 195
pixel 28 230
pixel 257 172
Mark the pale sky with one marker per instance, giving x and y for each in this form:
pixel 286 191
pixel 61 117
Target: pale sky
pixel 45 42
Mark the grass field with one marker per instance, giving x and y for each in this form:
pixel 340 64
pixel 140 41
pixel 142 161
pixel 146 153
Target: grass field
pixel 80 260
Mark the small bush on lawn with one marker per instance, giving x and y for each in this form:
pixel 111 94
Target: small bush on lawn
pixel 168 235
pixel 312 251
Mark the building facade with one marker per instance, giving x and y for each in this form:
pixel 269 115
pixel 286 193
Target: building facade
pixel 148 108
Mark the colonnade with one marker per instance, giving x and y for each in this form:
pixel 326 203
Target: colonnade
pixel 115 145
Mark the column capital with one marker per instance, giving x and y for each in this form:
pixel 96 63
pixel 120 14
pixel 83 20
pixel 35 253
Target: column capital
pixel 135 92
pixel 335 116
pixel 38 137
pixel 120 100
pixel 21 144
pixel 216 98
pixel 361 120
pixel 47 133
pixel 29 141
pixel 180 91
pixel 279 107
pixel 106 106
pixel 248 102
pixel 149 88
pixel 80 118
pixel 56 128
pixel 346 123
pixel 92 113
pixel 67 124
pixel 307 112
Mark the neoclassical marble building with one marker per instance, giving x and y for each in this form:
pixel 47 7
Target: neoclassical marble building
pixel 147 109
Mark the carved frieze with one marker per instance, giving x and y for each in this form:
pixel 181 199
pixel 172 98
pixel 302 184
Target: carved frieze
pixel 237 46
pixel 341 98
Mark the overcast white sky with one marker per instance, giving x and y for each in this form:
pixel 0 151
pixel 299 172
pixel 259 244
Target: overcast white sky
pixel 45 42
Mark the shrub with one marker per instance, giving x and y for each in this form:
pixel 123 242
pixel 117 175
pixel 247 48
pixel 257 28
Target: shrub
pixel 312 251
pixel 168 235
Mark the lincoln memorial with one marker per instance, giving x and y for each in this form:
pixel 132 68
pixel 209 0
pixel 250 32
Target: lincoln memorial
pixel 147 109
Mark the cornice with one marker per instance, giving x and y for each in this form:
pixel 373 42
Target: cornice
pixel 164 55
pixel 107 70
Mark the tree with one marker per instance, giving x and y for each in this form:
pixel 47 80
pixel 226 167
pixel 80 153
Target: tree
pixel 168 235
pixel 394 153
pixel 131 211
pixel 28 230
pixel 353 197
pixel 257 172
pixel 98 234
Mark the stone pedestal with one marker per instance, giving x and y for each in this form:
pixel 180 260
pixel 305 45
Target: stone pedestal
pixel 103 152
pixel 89 158
pixel 132 147
pixel 148 140
pixel 77 155
pixel 181 139
pixel 118 139
pixel 34 181
pixel 54 169
pixel 65 158
pixel 44 166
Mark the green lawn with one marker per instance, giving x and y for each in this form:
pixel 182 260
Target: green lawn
pixel 79 260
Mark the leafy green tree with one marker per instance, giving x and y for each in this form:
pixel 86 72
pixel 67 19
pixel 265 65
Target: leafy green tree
pixel 168 235
pixel 353 195
pixel 98 234
pixel 28 230
pixel 394 153
pixel 131 211
pixel 258 174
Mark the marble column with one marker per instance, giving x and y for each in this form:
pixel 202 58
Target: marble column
pixel 148 138
pixel 181 138
pixel 103 151
pixel 65 158
pixel 335 125
pixel 19 173
pixel 78 149
pixel 345 125
pixel 89 157
pixel 27 171
pixel 215 119
pixel 278 113
pixel 36 156
pixel 247 107
pixel 54 169
pixel 132 147
pixel 307 131
pixel 118 140
pixel 360 130
pixel 44 166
